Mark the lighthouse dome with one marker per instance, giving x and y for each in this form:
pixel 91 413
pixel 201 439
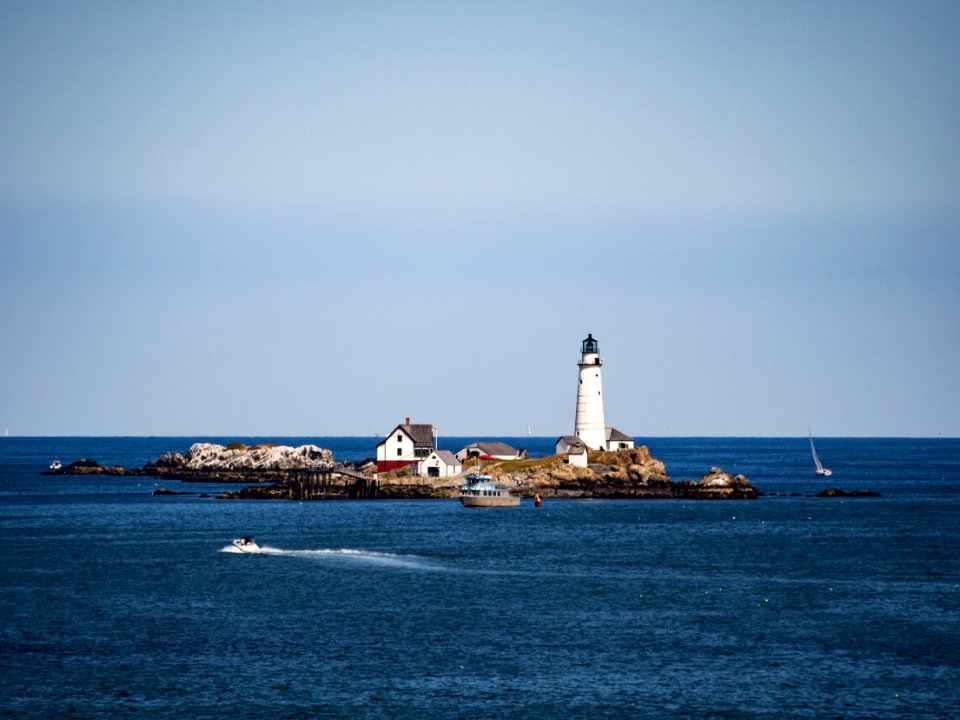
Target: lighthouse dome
pixel 590 345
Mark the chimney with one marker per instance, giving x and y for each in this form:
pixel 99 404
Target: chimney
pixel 408 422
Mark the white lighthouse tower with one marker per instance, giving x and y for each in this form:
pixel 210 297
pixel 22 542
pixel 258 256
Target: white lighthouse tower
pixel 589 425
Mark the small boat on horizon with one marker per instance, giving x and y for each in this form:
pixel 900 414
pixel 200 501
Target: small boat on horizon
pixel 479 491
pixel 821 470
pixel 55 465
pixel 246 544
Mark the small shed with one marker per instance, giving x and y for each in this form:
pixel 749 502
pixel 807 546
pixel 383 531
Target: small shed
pixel 617 440
pixel 577 456
pixel 573 450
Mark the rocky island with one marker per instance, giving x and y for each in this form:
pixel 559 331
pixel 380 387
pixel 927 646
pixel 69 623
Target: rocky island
pixel 309 472
pixel 629 473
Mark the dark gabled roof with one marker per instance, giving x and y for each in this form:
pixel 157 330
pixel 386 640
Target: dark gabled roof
pixel 496 448
pixel 491 448
pixel 448 457
pixel 614 434
pixel 575 446
pixel 422 435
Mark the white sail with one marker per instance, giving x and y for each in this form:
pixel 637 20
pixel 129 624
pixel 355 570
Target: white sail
pixel 821 470
pixel 813 450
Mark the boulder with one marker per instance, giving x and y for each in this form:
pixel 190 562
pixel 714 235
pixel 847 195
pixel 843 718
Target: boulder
pixel 83 466
pixel 721 485
pixel 206 457
pixel 837 492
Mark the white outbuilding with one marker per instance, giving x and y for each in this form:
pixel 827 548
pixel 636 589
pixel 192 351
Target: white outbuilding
pixel 573 450
pixel 439 464
pixel 617 440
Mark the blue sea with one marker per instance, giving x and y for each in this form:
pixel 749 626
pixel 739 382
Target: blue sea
pixel 117 603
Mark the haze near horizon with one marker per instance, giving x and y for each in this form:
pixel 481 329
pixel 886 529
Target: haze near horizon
pixel 307 219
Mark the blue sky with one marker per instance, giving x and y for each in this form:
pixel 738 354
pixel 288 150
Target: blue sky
pixel 319 218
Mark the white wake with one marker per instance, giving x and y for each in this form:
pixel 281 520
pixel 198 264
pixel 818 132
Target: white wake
pixel 345 555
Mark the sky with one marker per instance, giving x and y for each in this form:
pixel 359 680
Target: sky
pixel 308 219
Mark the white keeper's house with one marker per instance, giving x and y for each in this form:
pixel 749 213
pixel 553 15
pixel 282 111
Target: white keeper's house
pixel 404 446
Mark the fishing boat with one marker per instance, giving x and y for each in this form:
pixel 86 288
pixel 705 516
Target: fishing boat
pixel 479 491
pixel 55 465
pixel 246 544
pixel 821 470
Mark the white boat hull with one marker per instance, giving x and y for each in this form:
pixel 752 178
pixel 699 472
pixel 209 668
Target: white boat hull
pixel 490 500
pixel 246 545
pixel 479 491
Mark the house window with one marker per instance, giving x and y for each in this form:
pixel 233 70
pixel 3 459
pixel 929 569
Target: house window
pixel 421 452
pixel 399 451
pixel 399 437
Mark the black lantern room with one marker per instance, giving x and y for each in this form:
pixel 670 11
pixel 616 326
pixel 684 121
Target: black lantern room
pixel 590 345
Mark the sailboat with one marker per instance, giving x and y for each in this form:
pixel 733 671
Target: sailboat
pixel 821 470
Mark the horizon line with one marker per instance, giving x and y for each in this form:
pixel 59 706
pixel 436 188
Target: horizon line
pixel 481 435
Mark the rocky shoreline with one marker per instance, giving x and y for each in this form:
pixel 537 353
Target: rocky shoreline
pixel 309 472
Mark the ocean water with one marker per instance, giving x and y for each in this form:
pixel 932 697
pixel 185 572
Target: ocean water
pixel 116 603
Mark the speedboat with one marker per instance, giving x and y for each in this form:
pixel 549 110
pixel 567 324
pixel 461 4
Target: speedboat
pixel 246 544
pixel 481 492
pixel 55 465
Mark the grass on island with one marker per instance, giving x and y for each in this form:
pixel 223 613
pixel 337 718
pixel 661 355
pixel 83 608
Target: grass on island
pixel 241 446
pixel 508 466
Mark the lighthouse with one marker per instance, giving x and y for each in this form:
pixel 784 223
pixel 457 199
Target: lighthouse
pixel 589 425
